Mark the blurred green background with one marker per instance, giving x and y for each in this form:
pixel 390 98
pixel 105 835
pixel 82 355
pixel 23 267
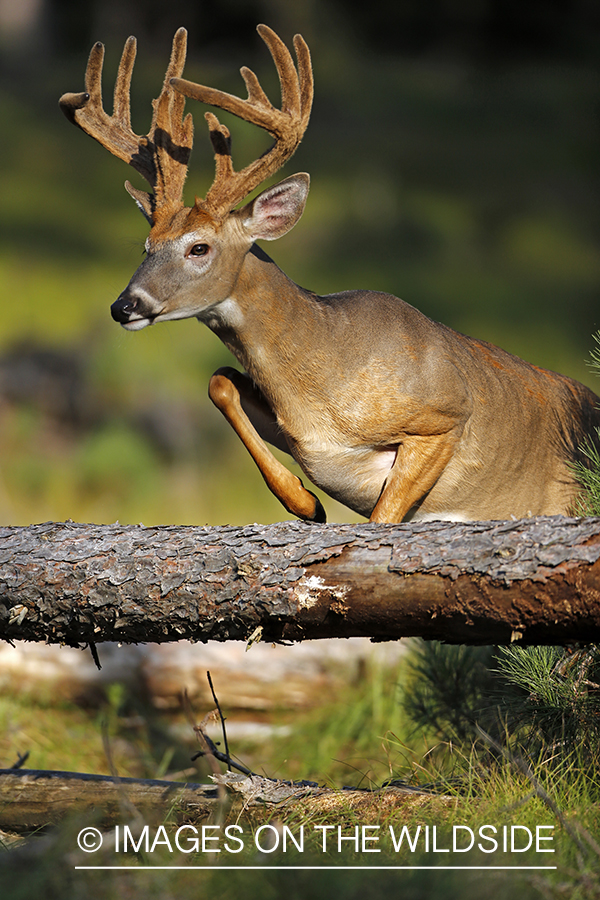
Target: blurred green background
pixel 454 155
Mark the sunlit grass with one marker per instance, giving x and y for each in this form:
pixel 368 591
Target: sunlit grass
pixel 352 738
pixel 60 736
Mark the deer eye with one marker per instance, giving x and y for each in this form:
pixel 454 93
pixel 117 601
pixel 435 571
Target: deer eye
pixel 198 250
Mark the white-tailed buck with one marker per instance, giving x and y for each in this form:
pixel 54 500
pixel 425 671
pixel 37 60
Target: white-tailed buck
pixel 396 416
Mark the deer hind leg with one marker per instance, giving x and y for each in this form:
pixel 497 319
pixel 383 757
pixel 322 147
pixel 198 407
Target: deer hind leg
pixel 252 419
pixel 419 462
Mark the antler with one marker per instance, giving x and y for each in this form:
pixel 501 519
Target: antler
pixel 163 154
pixel 287 125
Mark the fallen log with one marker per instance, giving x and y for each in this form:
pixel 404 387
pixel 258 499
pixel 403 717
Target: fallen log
pixel 535 580
pixel 32 799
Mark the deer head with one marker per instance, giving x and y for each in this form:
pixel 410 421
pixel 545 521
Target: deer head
pixel 194 254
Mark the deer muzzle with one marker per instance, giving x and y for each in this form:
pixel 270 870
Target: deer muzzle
pixel 125 307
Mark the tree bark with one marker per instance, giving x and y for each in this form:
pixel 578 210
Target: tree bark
pixel 535 580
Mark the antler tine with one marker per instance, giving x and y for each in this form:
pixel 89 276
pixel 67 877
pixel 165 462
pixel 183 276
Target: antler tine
pixel 286 70
pixel 287 125
pixel 122 92
pixel 305 73
pixel 256 94
pixel 221 141
pixel 171 134
pixel 161 156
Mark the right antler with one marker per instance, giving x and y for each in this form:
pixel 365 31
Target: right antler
pixel 162 155
pixel 287 125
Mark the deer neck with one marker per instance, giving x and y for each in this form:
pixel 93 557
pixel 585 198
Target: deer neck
pixel 258 322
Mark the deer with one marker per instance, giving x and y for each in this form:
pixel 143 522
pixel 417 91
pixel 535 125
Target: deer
pixel 398 417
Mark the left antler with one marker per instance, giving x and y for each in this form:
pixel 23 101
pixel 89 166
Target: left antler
pixel 287 125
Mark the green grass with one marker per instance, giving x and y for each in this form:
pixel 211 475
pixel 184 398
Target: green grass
pixel 353 738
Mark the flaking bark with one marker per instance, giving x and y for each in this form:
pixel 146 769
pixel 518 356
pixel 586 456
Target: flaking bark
pixel 537 580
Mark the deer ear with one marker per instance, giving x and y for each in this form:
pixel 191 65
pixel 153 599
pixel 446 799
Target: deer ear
pixel 274 212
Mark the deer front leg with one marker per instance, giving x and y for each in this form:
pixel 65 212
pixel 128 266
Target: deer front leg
pixel 251 417
pixel 419 462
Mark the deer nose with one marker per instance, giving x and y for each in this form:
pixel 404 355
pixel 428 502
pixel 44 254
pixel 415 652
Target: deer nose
pixel 123 307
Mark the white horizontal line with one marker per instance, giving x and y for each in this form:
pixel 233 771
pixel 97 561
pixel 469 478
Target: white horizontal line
pixel 353 868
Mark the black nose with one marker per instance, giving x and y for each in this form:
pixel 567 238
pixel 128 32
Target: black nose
pixel 122 308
